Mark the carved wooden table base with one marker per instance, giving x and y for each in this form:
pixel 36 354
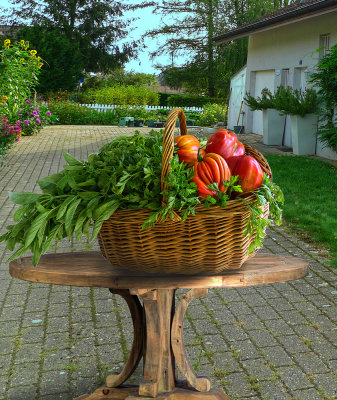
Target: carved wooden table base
pixel 158 338
pixel 158 326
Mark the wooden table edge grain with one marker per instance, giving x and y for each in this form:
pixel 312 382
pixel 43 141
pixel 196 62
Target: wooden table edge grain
pixel 91 269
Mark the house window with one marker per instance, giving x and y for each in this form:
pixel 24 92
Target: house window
pixel 285 77
pixel 324 45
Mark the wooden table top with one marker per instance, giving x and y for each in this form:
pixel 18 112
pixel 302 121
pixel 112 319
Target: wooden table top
pixel 93 270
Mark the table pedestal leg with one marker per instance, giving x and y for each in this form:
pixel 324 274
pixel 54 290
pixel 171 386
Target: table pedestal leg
pixel 162 329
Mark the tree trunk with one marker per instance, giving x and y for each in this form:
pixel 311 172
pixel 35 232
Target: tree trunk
pixel 210 50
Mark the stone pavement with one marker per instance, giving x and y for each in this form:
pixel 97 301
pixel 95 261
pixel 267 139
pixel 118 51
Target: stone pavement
pixel 274 342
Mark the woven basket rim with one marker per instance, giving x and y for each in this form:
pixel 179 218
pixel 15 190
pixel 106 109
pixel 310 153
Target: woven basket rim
pixel 231 203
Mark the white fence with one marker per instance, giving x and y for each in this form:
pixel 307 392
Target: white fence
pixel 105 107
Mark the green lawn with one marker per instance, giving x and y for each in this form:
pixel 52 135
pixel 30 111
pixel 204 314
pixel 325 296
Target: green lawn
pixel 310 189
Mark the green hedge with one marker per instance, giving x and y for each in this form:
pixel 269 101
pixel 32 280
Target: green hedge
pixel 70 113
pixel 184 100
pixel 131 95
pixel 163 97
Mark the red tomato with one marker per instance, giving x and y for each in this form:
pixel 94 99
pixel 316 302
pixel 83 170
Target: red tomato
pixel 239 149
pixel 188 148
pixel 225 143
pixel 249 171
pixel 212 169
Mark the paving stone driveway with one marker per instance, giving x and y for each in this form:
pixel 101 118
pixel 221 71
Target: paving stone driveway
pixel 265 342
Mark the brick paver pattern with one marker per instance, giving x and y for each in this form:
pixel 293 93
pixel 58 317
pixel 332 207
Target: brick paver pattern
pixel 273 342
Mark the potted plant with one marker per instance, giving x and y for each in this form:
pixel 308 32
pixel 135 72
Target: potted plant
pixel 139 122
pixel 273 121
pixel 301 107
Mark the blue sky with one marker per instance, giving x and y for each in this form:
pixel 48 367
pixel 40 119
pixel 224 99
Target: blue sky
pixel 146 21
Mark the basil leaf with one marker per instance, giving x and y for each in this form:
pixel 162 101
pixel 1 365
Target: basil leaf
pixel 69 217
pixel 71 160
pixel 24 197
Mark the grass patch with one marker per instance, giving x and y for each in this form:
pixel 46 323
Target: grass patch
pixel 310 190
pixel 71 367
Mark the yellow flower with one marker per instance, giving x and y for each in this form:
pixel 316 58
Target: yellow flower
pixel 33 52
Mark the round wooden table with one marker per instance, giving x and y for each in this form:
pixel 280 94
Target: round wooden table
pixel 157 322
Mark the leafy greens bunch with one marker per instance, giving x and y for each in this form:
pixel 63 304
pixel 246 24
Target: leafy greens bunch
pixel 125 174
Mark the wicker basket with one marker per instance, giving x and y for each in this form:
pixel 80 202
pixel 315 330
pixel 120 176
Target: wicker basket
pixel 208 242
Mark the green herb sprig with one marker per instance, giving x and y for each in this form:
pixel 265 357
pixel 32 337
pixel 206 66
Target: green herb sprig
pixel 256 225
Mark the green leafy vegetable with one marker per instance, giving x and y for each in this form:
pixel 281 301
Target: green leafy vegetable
pixel 125 174
pixel 268 192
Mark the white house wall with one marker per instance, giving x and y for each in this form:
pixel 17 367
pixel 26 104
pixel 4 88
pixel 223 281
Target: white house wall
pixel 290 47
pixel 237 90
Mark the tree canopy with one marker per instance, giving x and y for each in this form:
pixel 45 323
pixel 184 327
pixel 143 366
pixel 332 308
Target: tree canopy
pixel 187 28
pixel 63 63
pixel 93 32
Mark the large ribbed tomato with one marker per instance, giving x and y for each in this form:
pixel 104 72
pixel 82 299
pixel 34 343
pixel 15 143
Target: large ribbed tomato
pixel 188 146
pixel 249 171
pixel 211 169
pixel 225 143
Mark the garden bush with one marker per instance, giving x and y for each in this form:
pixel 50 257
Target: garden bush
pixel 70 113
pixel 119 95
pixel 19 69
pixel 212 114
pixel 163 98
pixel 9 134
pixel 184 100
pixel 34 117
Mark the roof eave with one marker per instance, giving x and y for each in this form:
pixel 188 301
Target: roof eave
pixel 278 21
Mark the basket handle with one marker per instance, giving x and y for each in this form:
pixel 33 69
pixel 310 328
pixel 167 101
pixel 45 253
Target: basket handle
pixel 168 147
pixel 168 141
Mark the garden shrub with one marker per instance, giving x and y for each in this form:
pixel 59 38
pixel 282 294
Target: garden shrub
pixel 9 134
pixel 19 69
pixel 325 80
pixel 212 114
pixel 70 113
pixel 120 95
pixel 34 117
pixel 163 98
pixel 184 100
